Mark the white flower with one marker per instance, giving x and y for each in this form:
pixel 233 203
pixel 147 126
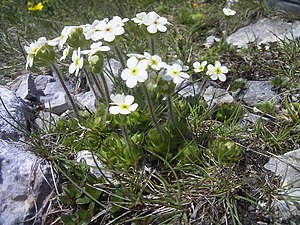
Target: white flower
pixel 95 47
pixel 136 72
pixel 108 30
pixel 65 53
pixel 199 67
pixel 155 23
pixel 61 40
pixel 77 62
pixel 154 61
pixel 89 30
pixel 138 19
pixel 32 50
pixel 93 59
pixel 229 12
pixel 122 104
pixel 175 73
pixel 217 71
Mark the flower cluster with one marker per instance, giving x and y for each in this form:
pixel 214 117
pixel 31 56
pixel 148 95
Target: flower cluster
pixel 85 44
pixel 152 20
pixel 35 7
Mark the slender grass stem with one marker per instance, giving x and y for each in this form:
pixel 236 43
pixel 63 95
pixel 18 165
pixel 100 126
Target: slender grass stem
pixel 105 86
pixel 126 137
pixel 170 109
pixel 91 84
pixel 60 78
pixel 150 108
pixel 152 45
pixel 120 57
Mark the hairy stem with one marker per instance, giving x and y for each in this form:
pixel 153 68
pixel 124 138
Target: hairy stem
pixel 150 108
pixel 105 86
pixel 120 57
pixel 60 78
pixel 91 84
pixel 152 45
pixel 170 109
pixel 126 137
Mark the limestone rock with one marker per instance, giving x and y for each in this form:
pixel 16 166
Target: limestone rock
pixel 26 89
pixel 216 96
pixel 23 188
pixel 12 117
pixel 87 99
pixel 259 91
pixel 263 31
pixel 45 120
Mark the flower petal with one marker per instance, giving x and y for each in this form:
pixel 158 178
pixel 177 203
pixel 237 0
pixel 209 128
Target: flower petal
pixel 152 29
pixel 142 76
pixel 114 110
pixel 132 62
pixel 131 82
pixel 222 77
pixel 125 74
pixel 133 107
pixel 129 99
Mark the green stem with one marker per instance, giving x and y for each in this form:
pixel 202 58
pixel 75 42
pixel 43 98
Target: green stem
pixel 91 85
pixel 60 78
pixel 170 109
pixel 150 108
pixel 120 57
pixel 152 45
pixel 105 86
pixel 126 137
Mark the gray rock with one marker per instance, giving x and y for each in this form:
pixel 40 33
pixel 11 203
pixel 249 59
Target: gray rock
pixel 93 162
pixel 210 40
pixel 23 188
pixel 216 96
pixel 190 89
pixel 55 99
pixel 287 167
pixel 26 89
pixel 292 6
pixel 41 82
pixel 263 31
pixel 258 91
pixel 46 120
pixel 87 99
pixel 12 117
pixel 112 67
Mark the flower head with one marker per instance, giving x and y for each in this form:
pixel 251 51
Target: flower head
pixel 95 47
pixel 33 7
pixel 61 40
pixel 77 63
pixel 154 61
pixel 136 72
pixel 108 30
pixel 65 53
pixel 138 19
pixel 122 104
pixel 33 49
pixel 175 73
pixel 229 12
pixel 199 67
pixel 217 71
pixel 152 20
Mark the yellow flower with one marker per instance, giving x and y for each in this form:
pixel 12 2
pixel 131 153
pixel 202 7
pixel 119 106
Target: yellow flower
pixel 37 7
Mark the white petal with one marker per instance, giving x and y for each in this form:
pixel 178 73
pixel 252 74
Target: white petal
pixel 217 64
pixel 222 77
pixel 196 65
pixel 118 30
pixel 124 111
pixel 210 68
pixel 131 82
pixel 152 29
pixel 129 99
pixel 214 77
pixel 184 75
pixel 162 28
pixel 224 69
pixel 132 62
pixel 125 74
pixel 177 80
pixel 104 48
pixel 142 76
pixel 133 107
pixel 142 65
pixel 114 110
pixel 204 63
pixel 109 37
pixel 118 99
pixel 72 68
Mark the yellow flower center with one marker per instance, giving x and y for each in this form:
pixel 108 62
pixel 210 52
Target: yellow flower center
pixel 153 62
pixel 107 29
pixel 218 71
pixel 175 72
pixel 134 71
pixel 200 68
pixel 124 106
pixel 76 62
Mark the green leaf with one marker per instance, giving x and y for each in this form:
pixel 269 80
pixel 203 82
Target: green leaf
pixel 82 201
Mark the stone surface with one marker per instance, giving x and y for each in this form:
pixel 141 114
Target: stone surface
pixel 12 116
pixel 287 167
pixel 55 99
pixel 94 163
pixel 41 82
pixel 216 96
pixel 45 120
pixel 292 6
pixel 26 89
pixel 189 89
pixel 87 99
pixel 23 188
pixel 257 92
pixel 263 31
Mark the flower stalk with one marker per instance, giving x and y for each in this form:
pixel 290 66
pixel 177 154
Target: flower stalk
pixel 152 45
pixel 150 108
pixel 120 56
pixel 170 109
pixel 105 86
pixel 126 138
pixel 60 78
